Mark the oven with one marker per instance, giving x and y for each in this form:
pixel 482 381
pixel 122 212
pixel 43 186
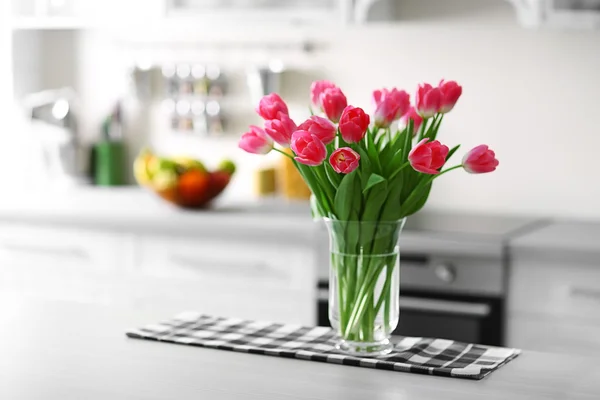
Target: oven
pixel 450 296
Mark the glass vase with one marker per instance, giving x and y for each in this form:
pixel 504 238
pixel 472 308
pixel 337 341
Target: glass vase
pixel 364 286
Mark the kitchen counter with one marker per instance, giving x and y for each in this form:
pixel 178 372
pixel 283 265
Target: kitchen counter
pixel 570 240
pixel 68 351
pixel 135 210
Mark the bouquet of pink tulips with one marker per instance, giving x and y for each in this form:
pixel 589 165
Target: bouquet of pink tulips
pixel 361 168
pixel 366 172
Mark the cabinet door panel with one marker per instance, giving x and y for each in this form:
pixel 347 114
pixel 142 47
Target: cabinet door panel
pixel 532 332
pixel 60 263
pixel 229 263
pixel 555 289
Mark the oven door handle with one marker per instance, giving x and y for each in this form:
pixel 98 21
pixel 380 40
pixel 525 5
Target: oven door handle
pixel 480 310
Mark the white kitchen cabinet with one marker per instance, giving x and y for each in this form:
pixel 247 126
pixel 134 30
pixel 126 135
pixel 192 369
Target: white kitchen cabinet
pixel 554 289
pixel 60 263
pixel 554 335
pixel 251 12
pixel 247 279
pixel 83 14
pixel 163 275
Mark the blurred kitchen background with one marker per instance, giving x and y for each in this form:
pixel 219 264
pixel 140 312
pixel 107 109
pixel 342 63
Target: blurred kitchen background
pixel 187 73
pixel 84 86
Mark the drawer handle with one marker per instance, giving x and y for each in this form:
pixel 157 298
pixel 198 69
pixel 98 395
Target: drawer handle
pixel 585 293
pixel 50 251
pixel 223 268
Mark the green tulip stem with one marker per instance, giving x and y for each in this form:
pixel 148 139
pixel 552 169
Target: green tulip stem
pixel 284 153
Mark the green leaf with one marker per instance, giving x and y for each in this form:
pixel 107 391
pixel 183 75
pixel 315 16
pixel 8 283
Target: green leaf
pixel 373 180
pixel 391 209
pixel 373 202
pixel 334 178
pixel 373 153
pixel 344 198
pixel 365 165
pixel 452 151
pixel 314 186
pixel 398 170
pixel 395 162
pixel 419 202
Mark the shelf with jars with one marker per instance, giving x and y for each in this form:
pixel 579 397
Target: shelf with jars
pixel 194 95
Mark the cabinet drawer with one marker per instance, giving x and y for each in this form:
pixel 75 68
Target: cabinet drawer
pixel 554 335
pixel 26 245
pixel 228 262
pixel 63 264
pixel 554 289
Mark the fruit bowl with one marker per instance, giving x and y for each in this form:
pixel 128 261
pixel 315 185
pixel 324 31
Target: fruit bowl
pixel 182 181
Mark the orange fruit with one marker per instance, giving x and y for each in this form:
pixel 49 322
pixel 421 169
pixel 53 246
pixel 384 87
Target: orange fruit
pixel 193 187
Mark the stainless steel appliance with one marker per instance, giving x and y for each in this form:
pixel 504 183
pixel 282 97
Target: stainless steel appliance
pixel 54 125
pixel 453 274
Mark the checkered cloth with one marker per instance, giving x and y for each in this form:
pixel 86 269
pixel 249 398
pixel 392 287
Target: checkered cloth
pixel 411 354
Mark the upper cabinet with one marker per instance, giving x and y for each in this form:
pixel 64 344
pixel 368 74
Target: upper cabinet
pixel 564 14
pixel 569 14
pixel 227 12
pixel 84 14
pixel 213 15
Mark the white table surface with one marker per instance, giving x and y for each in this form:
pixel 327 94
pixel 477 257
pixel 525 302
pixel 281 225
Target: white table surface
pixel 63 351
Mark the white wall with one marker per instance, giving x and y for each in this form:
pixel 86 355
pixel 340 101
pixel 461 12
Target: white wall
pixel 531 95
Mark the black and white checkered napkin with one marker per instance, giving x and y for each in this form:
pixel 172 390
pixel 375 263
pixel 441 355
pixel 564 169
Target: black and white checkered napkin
pixel 411 354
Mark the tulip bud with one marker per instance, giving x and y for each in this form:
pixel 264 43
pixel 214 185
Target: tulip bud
pixel 389 106
pixel 316 89
pixel 354 123
pixel 309 149
pixel 451 91
pixel 333 102
pixel 428 157
pixel 281 129
pixel 344 160
pixel 480 160
pixel 270 106
pixel 321 127
pixel 256 141
pixel 428 100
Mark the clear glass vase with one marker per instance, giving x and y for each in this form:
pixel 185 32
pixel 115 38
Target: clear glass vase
pixel 364 284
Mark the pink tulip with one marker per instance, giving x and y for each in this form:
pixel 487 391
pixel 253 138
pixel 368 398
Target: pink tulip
pixel 428 100
pixel 280 130
pixel 256 141
pixel 480 160
pixel 344 160
pixel 308 148
pixel 416 118
pixel 354 123
pixel 320 127
pixel 451 91
pixel 333 102
pixel 317 88
pixel 389 106
pixel 428 157
pixel 270 106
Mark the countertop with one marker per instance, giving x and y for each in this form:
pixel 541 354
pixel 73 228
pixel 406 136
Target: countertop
pixel 135 210
pixel 64 351
pixel 138 210
pixel 564 239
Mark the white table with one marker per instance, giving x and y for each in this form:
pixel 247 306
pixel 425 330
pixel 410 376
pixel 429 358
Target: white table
pixel 62 351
